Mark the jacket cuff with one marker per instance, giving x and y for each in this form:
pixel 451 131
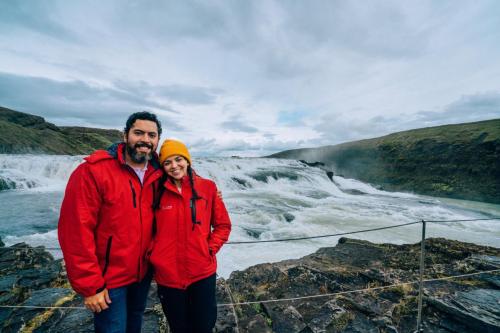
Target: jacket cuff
pixel 100 289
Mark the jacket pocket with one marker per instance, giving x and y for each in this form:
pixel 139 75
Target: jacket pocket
pixel 206 251
pixel 212 255
pixel 108 252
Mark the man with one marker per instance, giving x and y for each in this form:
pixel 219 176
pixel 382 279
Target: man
pixel 105 226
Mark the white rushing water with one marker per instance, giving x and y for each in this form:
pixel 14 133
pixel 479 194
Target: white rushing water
pixel 266 199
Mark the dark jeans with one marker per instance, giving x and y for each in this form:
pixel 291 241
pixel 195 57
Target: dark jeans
pixel 193 310
pixel 125 312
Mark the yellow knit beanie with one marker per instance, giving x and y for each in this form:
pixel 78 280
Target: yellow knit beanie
pixel 173 147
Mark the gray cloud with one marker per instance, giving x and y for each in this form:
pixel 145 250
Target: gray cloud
pixel 466 109
pixel 236 125
pixel 37 16
pixel 365 71
pixel 281 37
pixel 73 101
pixel 358 27
pixel 228 24
pixel 188 95
pixel 337 128
pixel 210 147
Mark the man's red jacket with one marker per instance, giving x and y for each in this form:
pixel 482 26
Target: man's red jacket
pixel 105 225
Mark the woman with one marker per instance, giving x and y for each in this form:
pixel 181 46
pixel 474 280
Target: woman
pixel 192 225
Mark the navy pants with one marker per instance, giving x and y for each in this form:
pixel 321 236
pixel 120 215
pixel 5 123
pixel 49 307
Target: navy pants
pixel 126 310
pixel 193 310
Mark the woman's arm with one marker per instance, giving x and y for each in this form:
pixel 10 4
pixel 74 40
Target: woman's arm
pixel 220 223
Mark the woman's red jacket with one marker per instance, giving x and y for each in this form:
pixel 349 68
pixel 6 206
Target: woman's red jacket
pixel 183 252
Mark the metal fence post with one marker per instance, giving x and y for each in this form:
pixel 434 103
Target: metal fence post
pixel 421 278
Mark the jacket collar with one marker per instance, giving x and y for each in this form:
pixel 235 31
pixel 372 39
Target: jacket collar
pixel 170 185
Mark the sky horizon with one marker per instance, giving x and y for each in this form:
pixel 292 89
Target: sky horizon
pixel 253 78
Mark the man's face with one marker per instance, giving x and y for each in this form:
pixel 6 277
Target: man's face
pixel 142 140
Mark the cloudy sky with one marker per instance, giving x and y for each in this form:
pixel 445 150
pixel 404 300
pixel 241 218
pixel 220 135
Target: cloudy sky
pixel 250 78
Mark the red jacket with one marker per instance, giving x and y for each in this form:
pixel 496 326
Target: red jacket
pixel 180 254
pixel 105 225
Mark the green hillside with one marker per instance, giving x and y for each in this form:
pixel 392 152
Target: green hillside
pixel 22 133
pixel 458 161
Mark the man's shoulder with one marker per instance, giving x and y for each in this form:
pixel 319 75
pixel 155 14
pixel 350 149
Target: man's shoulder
pixel 103 155
pixel 98 156
pixel 96 164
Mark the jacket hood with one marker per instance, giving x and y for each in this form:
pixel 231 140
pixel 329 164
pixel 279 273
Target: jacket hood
pixel 99 155
pixel 116 151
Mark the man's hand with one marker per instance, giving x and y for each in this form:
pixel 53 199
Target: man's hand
pixel 98 302
pixel 219 194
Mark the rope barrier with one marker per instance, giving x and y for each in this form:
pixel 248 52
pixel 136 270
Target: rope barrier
pixel 493 271
pixel 235 315
pixel 321 236
pixel 358 290
pixel 300 238
pixel 470 220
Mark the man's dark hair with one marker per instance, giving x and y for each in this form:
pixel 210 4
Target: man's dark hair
pixel 143 115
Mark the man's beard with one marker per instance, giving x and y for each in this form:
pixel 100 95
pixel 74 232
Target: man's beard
pixel 137 156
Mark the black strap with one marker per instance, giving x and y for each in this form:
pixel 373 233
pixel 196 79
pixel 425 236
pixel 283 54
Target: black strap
pixel 193 211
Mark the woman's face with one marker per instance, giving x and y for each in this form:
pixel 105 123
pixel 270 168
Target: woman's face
pixel 176 166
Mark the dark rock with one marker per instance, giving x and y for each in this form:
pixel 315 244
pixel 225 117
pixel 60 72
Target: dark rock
pixel 284 318
pixel 8 282
pixel 69 320
pixel 494 280
pixel 356 264
pixel 255 233
pixel 313 164
pixel 226 319
pixel 263 176
pixel 353 191
pixel 28 316
pixel 29 276
pixel 329 315
pixel 476 309
pixel 330 175
pixel 321 165
pixel 259 324
pixel 289 217
pixel 242 182
pixel 6 184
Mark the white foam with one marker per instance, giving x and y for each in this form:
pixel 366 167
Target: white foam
pixel 261 194
pixel 41 172
pixel 47 239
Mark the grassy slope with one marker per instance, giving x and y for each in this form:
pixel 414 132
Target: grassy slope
pixel 458 161
pixel 24 133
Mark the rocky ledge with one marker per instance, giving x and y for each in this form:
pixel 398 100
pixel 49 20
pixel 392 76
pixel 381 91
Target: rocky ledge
pixel 30 276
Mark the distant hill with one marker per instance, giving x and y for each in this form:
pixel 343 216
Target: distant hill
pixel 22 133
pixel 458 161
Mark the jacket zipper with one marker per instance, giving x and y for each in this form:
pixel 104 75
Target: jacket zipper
pixel 138 275
pixel 133 193
pixel 108 252
pixel 140 243
pixel 140 212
